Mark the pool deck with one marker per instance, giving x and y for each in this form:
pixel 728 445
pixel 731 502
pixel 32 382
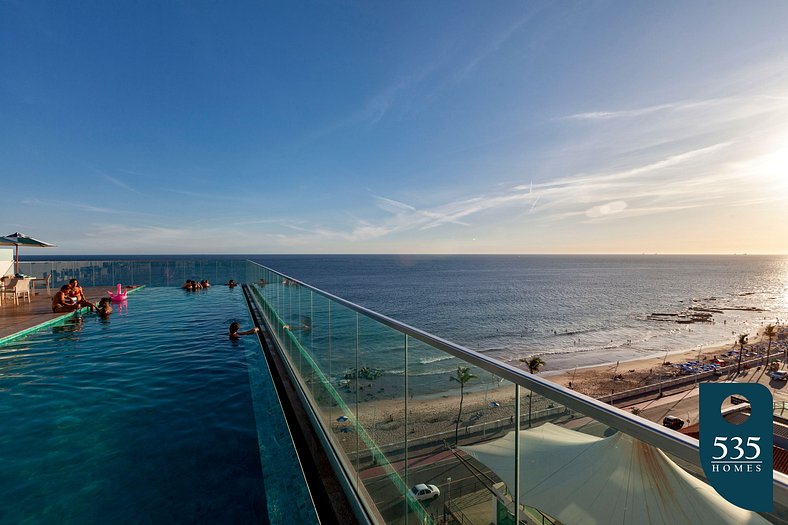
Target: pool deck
pixel 16 321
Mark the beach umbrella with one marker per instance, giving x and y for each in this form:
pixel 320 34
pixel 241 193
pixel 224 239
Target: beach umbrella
pixel 20 239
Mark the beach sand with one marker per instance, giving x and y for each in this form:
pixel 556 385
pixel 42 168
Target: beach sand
pixel 599 381
pixel 493 408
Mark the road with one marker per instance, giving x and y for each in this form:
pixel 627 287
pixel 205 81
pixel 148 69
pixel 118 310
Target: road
pixel 440 466
pixel 390 503
pixel 685 404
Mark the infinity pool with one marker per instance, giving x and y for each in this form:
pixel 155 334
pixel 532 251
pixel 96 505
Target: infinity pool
pixel 147 417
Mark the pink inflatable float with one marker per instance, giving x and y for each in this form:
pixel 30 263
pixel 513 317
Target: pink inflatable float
pixel 119 295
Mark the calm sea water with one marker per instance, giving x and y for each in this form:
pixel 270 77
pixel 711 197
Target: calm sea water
pixel 572 310
pixel 147 417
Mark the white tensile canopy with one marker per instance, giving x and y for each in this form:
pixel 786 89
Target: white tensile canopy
pixel 586 480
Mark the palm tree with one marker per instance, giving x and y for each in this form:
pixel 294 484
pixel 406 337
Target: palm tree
pixel 770 331
pixel 741 342
pixel 533 364
pixel 463 376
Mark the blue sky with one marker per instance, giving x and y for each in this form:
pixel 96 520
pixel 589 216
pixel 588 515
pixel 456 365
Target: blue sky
pixel 395 127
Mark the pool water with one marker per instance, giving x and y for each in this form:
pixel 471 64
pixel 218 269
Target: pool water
pixel 147 417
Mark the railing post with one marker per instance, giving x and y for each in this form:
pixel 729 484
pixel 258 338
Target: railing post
pixel 407 478
pixel 517 453
pixel 358 448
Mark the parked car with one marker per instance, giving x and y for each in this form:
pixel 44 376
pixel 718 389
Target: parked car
pixel 673 422
pixel 423 492
pixel 780 375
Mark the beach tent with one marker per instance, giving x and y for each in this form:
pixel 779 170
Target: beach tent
pixel 582 479
pixel 20 239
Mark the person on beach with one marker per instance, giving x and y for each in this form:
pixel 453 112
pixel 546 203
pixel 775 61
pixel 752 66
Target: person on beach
pixel 62 301
pixel 78 295
pixel 104 308
pixel 235 332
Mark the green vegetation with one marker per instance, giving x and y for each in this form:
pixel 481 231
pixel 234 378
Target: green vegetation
pixel 463 376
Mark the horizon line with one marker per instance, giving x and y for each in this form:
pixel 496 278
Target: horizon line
pixel 425 254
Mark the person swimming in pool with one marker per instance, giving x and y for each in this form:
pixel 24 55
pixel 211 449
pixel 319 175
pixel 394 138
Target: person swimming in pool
pixel 235 332
pixel 104 308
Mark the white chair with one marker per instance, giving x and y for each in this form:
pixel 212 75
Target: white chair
pixel 44 281
pixel 21 288
pixel 8 290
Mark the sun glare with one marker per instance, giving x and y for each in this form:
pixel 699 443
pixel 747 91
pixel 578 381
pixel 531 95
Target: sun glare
pixel 772 167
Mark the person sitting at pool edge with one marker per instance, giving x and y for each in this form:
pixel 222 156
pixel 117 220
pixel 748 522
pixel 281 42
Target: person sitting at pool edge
pixel 77 293
pixel 104 308
pixel 62 301
pixel 235 334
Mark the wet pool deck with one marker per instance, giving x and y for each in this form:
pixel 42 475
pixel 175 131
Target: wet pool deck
pixel 18 320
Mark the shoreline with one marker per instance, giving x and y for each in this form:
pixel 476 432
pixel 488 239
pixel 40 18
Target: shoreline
pixel 436 414
pixel 600 380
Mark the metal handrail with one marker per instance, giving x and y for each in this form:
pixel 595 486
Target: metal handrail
pixel 667 440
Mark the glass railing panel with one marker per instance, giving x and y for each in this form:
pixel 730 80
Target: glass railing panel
pixel 151 273
pixel 344 356
pixel 168 271
pixel 140 273
pixel 378 381
pixel 475 492
pixel 122 272
pixel 301 328
pixel 253 274
pixel 321 377
pixel 62 272
pixel 101 273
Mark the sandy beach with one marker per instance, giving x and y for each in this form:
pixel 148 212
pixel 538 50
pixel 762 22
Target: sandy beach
pixel 600 380
pixel 493 408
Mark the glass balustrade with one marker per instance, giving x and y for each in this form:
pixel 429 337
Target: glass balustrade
pixel 151 273
pixel 430 432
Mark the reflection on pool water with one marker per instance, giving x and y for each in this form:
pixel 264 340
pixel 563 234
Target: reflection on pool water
pixel 147 417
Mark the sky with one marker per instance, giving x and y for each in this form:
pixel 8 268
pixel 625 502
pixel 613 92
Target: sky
pixel 395 127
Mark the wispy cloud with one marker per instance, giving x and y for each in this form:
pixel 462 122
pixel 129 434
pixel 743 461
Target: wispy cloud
pixel 131 234
pixel 119 183
pixel 647 110
pixel 603 179
pixel 680 180
pixel 498 40
pixel 67 205
pixel 125 238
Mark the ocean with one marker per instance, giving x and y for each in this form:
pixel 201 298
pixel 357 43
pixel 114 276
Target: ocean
pixel 571 310
pixel 574 311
